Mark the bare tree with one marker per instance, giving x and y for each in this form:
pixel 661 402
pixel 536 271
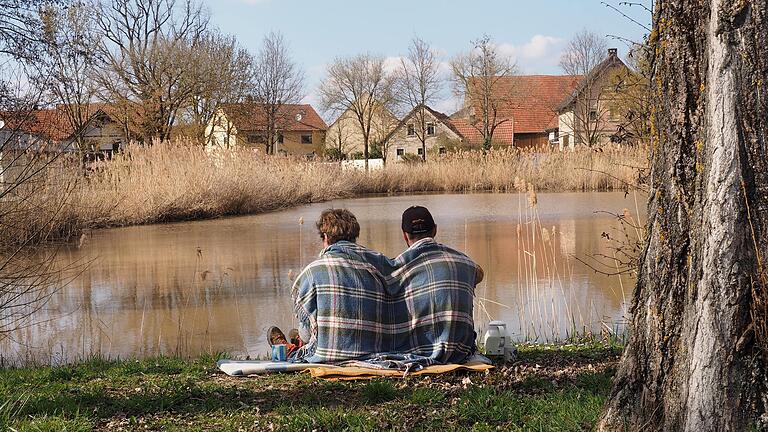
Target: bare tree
pixel 419 85
pixel 478 76
pixel 224 73
pixel 338 139
pixel 28 277
pixel 146 49
pixel 698 348
pixel 20 26
pixel 66 67
pixel 278 81
pixel 362 87
pixel 589 110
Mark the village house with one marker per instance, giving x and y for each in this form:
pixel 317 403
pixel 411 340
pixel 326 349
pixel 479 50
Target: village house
pixel 345 136
pixel 527 108
pixel 300 130
pixel 49 130
pixel 590 114
pixel 440 134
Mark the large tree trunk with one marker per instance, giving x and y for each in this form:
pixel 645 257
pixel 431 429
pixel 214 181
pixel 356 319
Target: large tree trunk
pixel 696 356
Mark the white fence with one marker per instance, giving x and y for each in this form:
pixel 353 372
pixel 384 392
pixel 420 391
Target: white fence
pixel 359 164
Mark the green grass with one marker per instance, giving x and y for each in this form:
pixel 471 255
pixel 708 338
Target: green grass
pixel 548 388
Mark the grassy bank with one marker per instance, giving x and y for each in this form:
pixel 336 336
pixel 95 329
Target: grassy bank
pixel 557 388
pixel 181 181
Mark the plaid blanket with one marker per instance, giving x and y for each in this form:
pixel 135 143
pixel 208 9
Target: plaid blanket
pixel 413 310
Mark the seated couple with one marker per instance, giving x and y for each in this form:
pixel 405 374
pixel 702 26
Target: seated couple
pixel 354 303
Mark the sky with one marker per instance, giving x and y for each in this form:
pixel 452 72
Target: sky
pixel 533 32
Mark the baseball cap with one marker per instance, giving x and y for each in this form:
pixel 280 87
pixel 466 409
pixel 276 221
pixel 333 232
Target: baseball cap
pixel 417 220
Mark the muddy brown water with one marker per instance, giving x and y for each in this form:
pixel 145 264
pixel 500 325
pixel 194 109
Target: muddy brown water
pixel 217 285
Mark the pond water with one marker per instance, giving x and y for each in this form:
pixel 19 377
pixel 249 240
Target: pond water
pixel 217 285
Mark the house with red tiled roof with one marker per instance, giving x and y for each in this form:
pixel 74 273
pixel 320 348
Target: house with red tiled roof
pixel 527 108
pixel 300 130
pixel 50 130
pixel 442 133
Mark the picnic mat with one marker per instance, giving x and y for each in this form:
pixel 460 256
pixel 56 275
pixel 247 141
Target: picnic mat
pixel 242 368
pixel 348 373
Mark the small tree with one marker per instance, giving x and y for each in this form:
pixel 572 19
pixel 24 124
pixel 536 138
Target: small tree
pixel 478 76
pixel 28 276
pixel 278 81
pixel 224 72
pixel 66 66
pixel 419 85
pixel 338 136
pixel 359 86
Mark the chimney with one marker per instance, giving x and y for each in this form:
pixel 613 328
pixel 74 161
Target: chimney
pixel 613 52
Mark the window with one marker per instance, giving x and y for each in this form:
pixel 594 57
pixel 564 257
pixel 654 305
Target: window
pixel 306 139
pixel 430 129
pixel 256 139
pixel 280 138
pixel 441 150
pixel 400 152
pixel 592 115
pixel 411 130
pixel 421 151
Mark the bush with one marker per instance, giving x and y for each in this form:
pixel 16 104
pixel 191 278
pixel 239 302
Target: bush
pixel 334 154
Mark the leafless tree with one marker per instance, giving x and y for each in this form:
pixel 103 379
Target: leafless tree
pixel 362 87
pixel 65 68
pixel 278 81
pixel 28 276
pixel 479 76
pixel 146 50
pixel 338 139
pixel 224 73
pixel 20 26
pixel 590 108
pixel 419 85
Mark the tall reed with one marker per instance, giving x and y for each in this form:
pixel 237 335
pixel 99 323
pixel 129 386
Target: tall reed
pixel 182 181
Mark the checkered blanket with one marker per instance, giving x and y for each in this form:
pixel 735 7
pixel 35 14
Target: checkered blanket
pixel 413 310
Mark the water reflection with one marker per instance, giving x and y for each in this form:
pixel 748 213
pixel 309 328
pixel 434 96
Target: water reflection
pixel 217 285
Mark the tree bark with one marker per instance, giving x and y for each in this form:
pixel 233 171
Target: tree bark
pixel 695 360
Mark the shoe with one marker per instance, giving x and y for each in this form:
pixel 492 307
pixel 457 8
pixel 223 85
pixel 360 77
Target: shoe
pixel 294 337
pixel 275 336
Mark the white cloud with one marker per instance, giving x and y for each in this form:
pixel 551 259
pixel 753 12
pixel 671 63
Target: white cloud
pixel 541 53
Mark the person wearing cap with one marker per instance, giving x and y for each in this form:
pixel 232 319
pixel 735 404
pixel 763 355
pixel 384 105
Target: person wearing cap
pixel 440 283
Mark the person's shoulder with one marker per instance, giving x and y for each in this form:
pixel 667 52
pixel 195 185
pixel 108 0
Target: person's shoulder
pixel 455 254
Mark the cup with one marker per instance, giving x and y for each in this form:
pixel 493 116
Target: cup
pixel 279 352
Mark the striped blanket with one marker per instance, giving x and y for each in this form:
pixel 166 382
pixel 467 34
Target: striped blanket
pixel 414 310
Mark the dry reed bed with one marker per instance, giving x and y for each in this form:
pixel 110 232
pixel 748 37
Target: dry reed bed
pixel 181 181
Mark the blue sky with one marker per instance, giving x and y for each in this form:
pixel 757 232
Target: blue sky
pixel 534 32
